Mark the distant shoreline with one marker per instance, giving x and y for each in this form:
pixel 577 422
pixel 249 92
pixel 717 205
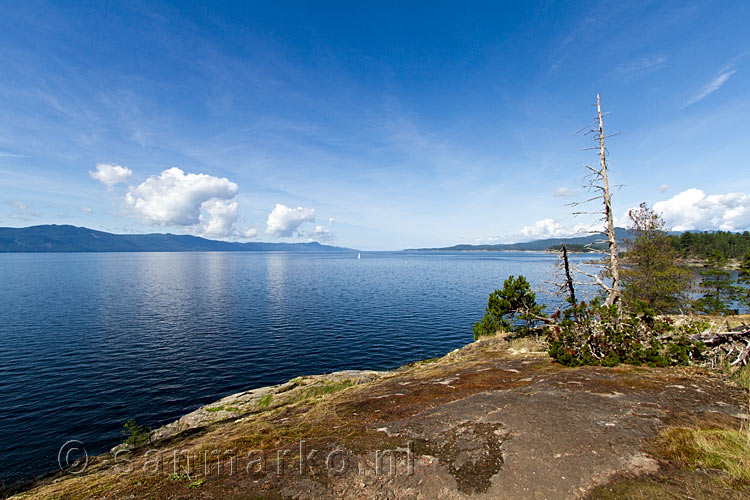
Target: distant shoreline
pixel 53 238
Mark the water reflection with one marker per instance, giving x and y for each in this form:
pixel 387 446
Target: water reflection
pixel 88 341
pixel 276 285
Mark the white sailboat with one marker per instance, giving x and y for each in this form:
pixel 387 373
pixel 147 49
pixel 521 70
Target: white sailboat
pixel 359 255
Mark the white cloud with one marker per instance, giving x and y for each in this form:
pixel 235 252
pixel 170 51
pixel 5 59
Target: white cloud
pixel 563 192
pixel 542 229
pixel 19 205
pixel 551 228
pixel 87 210
pixel 284 221
pixel 321 233
pixel 710 87
pixel 222 216
pixel 664 187
pixel 110 175
pixel 201 203
pixel 22 211
pixel 248 233
pixel 694 209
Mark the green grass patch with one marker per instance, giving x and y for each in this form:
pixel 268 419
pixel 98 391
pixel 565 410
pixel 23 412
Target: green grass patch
pixel 670 485
pixel 421 362
pixel 197 483
pixel 724 449
pixel 265 401
pixel 295 382
pixel 322 389
pixel 223 408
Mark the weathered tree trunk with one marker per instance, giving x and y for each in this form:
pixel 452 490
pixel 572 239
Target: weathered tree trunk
pixel 613 294
pixel 609 277
pixel 568 277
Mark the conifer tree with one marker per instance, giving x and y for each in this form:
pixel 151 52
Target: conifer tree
pixel 716 284
pixel 743 279
pixel 653 276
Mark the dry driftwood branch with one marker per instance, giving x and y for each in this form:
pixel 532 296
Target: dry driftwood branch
pixel 731 346
pixel 597 281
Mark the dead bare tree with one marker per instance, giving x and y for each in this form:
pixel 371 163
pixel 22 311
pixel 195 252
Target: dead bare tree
pixel 563 285
pixel 598 181
pixel 568 276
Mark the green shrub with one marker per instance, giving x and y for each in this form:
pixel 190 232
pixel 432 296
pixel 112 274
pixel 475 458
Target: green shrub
pixel 516 301
pixel 600 335
pixel 488 326
pixel 137 435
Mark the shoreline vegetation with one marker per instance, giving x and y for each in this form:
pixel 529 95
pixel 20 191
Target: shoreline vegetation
pixel 692 246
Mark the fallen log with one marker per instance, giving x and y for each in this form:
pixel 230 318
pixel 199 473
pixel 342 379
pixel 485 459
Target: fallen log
pixel 731 346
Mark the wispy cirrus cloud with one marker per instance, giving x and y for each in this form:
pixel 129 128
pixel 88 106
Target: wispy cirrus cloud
pixel 21 211
pixel 711 87
pixel 5 154
pixel 642 66
pixel 561 50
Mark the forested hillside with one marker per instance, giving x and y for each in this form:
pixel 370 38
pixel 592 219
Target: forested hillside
pixel 702 245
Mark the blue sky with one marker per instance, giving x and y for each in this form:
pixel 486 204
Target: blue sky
pixel 375 126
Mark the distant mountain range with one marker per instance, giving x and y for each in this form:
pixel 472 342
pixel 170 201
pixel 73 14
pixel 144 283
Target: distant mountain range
pixel 64 238
pixel 577 243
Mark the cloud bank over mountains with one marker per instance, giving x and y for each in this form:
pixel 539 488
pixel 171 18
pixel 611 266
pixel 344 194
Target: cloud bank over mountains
pixel 285 222
pixel 203 205
pixel 206 205
pixel 694 209
pixel 200 203
pixel 691 209
pixel 551 228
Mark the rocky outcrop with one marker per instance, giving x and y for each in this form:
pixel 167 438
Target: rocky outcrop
pixel 483 422
pixel 242 404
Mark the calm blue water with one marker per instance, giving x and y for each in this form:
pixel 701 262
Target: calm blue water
pixel 88 341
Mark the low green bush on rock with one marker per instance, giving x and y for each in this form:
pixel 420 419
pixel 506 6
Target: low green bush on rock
pixel 596 334
pixel 515 302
